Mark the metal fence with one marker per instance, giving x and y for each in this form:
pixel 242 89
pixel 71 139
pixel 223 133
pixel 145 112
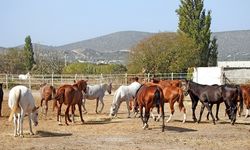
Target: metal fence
pixel 34 81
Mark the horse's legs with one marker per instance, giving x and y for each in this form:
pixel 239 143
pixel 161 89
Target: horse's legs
pixel 1 107
pixel 21 122
pixel 83 106
pixel 146 117
pixel 73 113
pixel 171 105
pixel 141 114
pixel 247 111
pixel 46 107
pixel 96 106
pixel 217 111
pixel 202 109
pixel 15 124
pixel 194 104
pixel 152 114
pixel 41 104
pixel 80 111
pixel 31 132
pixel 67 115
pixel 101 100
pixel 127 102
pixel 163 116
pixel 210 111
pixel 59 114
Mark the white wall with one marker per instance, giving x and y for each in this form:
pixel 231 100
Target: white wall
pixel 208 75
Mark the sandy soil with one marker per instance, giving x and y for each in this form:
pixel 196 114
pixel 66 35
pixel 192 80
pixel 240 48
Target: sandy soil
pixel 100 132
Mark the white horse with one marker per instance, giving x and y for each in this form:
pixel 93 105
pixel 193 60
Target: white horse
pixel 96 92
pixel 21 102
pixel 24 77
pixel 124 93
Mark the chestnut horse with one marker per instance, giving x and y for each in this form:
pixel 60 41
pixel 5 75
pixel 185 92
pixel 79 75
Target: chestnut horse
pixel 70 95
pixel 246 97
pixel 148 97
pixel 172 93
pixel 48 93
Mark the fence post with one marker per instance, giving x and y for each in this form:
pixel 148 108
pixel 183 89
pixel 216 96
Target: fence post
pixel 61 79
pixel 52 79
pixel 172 76
pixel 29 83
pixel 101 79
pixel 148 77
pixel 126 78
pixel 7 86
pixel 75 76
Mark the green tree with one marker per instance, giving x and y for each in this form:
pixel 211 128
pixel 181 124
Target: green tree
pixel 163 52
pixel 195 22
pixel 11 61
pixel 89 68
pixel 29 54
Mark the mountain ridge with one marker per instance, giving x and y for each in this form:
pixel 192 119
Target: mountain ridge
pixel 232 45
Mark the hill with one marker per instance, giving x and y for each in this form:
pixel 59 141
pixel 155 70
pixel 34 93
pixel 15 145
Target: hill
pixel 114 48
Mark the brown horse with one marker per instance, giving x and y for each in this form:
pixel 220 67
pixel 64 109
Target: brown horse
pixel 164 83
pixel 149 97
pixel 172 93
pixel 70 95
pixel 48 93
pixel 246 98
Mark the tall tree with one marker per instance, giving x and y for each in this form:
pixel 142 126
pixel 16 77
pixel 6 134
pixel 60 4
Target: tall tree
pixel 29 54
pixel 195 22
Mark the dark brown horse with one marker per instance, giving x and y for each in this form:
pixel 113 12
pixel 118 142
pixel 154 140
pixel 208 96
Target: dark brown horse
pixel 148 97
pixel 209 95
pixel 48 93
pixel 1 98
pixel 70 95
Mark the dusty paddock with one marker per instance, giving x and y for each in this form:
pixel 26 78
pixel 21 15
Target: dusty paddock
pixel 99 132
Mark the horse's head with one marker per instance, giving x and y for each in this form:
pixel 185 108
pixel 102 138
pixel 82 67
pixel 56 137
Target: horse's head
pixel 232 114
pixel 113 110
pixel 109 89
pixel 34 116
pixel 82 85
pixel 185 86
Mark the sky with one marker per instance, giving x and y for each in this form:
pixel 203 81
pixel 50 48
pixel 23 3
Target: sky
pixel 59 22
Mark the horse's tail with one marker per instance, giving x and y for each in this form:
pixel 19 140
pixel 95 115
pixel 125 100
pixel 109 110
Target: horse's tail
pixel 181 98
pixel 158 98
pixel 240 97
pixel 16 104
pixel 59 95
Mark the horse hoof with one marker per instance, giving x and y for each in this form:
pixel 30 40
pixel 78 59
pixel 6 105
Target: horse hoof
pixel 32 133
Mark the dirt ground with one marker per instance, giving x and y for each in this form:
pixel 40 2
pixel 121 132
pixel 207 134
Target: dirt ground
pixel 100 132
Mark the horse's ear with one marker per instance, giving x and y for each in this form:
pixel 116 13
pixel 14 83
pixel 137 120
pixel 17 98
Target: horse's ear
pixel 74 81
